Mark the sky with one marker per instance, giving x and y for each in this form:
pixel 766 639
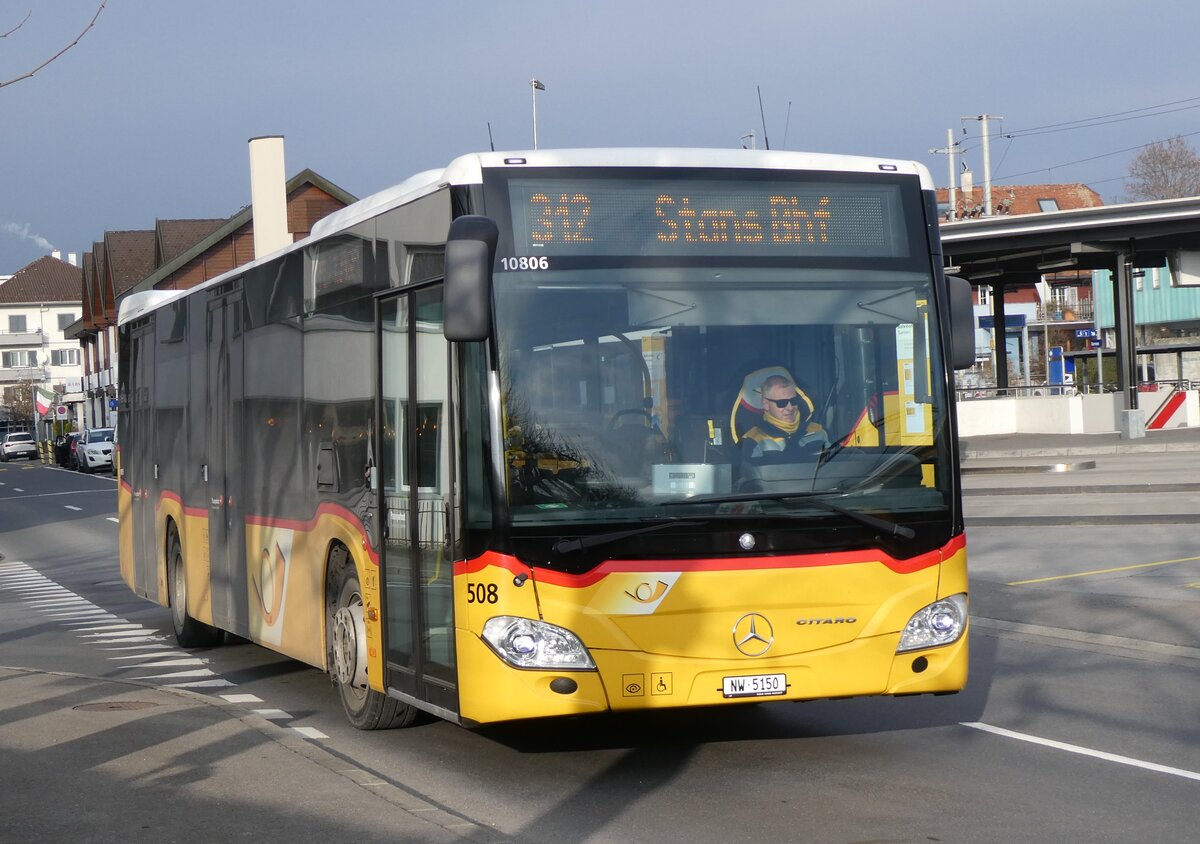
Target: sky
pixel 149 115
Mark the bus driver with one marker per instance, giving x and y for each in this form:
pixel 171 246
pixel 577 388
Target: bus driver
pixel 787 428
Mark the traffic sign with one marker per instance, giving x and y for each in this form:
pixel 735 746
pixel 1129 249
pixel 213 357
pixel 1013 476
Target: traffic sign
pixel 1085 332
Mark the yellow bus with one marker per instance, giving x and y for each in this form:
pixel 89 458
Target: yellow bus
pixel 560 432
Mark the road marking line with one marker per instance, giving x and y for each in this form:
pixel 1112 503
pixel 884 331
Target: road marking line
pixel 203 672
pixel 36 590
pixel 1083 751
pixel 168 663
pixel 242 698
pixel 309 732
pixel 220 683
pixel 114 520
pixel 1103 571
pixel 76 509
pixel 142 655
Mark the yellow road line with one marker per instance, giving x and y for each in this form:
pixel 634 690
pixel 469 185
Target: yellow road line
pixel 1102 571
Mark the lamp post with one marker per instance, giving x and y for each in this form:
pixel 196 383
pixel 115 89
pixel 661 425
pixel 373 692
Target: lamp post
pixel 535 86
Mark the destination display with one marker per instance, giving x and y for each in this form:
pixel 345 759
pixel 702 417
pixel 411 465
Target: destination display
pixel 568 217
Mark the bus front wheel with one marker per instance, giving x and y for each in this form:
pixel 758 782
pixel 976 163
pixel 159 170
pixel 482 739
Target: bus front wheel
pixel 346 635
pixel 189 632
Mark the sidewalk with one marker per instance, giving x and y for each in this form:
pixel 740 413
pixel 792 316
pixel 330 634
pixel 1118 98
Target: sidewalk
pixel 91 759
pixel 1077 445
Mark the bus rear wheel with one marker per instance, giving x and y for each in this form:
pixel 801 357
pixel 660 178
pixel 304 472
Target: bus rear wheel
pixel 346 635
pixel 189 632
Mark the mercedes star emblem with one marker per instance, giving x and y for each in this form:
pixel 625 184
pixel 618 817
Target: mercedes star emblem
pixel 753 634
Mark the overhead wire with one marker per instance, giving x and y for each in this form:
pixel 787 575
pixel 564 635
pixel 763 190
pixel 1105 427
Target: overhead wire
pixel 1088 123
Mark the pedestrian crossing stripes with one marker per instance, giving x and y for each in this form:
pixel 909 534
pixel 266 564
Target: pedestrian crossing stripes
pixel 138 652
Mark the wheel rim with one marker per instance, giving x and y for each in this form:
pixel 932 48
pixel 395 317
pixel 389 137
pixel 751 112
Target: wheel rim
pixel 350 647
pixel 178 591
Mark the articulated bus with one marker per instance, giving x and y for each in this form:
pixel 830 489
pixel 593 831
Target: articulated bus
pixel 494 444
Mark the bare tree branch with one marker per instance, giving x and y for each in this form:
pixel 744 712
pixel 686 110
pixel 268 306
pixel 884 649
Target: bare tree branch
pixel 18 26
pixel 1164 170
pixel 78 38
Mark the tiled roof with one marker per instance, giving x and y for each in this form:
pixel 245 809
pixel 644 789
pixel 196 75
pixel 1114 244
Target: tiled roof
pixel 176 236
pixel 130 257
pixel 1025 199
pixel 45 280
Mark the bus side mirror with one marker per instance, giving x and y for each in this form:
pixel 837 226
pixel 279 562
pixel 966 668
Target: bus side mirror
pixel 467 294
pixel 962 323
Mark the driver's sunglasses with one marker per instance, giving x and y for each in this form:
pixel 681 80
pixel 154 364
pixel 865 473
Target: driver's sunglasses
pixel 782 403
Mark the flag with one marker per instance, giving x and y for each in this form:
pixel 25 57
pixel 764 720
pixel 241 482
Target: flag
pixel 538 86
pixel 44 400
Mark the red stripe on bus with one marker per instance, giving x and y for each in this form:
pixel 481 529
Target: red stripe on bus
pixel 837 558
pixel 303 526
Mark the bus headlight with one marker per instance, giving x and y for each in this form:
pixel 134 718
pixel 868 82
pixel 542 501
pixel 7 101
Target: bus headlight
pixel 940 623
pixel 525 643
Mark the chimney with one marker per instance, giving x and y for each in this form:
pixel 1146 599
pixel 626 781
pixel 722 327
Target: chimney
pixel 56 255
pixel 73 259
pixel 268 195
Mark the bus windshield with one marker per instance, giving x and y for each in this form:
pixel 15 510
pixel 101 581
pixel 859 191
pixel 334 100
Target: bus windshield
pixel 640 402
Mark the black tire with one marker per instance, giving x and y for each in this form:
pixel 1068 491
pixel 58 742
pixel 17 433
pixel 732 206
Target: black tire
pixel 189 632
pixel 345 637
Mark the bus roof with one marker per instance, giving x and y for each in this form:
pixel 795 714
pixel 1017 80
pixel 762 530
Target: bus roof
pixel 468 170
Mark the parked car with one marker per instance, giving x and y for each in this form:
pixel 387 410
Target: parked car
pixel 18 444
pixel 94 451
pixel 64 448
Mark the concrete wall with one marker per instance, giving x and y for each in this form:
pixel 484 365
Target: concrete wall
pixel 1080 414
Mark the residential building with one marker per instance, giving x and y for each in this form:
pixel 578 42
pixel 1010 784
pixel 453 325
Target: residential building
pixel 175 255
pixel 38 304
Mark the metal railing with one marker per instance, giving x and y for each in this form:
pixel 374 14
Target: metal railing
pixel 1080 311
pixel 983 391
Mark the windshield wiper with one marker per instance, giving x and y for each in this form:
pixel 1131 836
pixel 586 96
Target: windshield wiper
pixel 566 546
pixel 890 528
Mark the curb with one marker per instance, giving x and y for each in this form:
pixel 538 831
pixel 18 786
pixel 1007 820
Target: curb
pixel 402 798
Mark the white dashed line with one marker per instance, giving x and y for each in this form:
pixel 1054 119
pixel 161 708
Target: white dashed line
pixel 242 698
pixel 1084 751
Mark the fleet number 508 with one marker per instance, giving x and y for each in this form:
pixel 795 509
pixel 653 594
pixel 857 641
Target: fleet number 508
pixel 482 593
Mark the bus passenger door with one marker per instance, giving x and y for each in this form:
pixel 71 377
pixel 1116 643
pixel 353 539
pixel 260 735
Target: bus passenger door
pixel 138 459
pixel 223 434
pixel 413 445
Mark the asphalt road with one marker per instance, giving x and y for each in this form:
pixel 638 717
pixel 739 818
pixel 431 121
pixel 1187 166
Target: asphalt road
pixel 1079 723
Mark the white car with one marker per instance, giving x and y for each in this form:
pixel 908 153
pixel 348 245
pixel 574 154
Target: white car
pixel 95 450
pixel 18 444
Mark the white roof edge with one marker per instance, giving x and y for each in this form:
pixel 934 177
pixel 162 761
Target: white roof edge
pixel 468 170
pixel 410 189
pixel 136 304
